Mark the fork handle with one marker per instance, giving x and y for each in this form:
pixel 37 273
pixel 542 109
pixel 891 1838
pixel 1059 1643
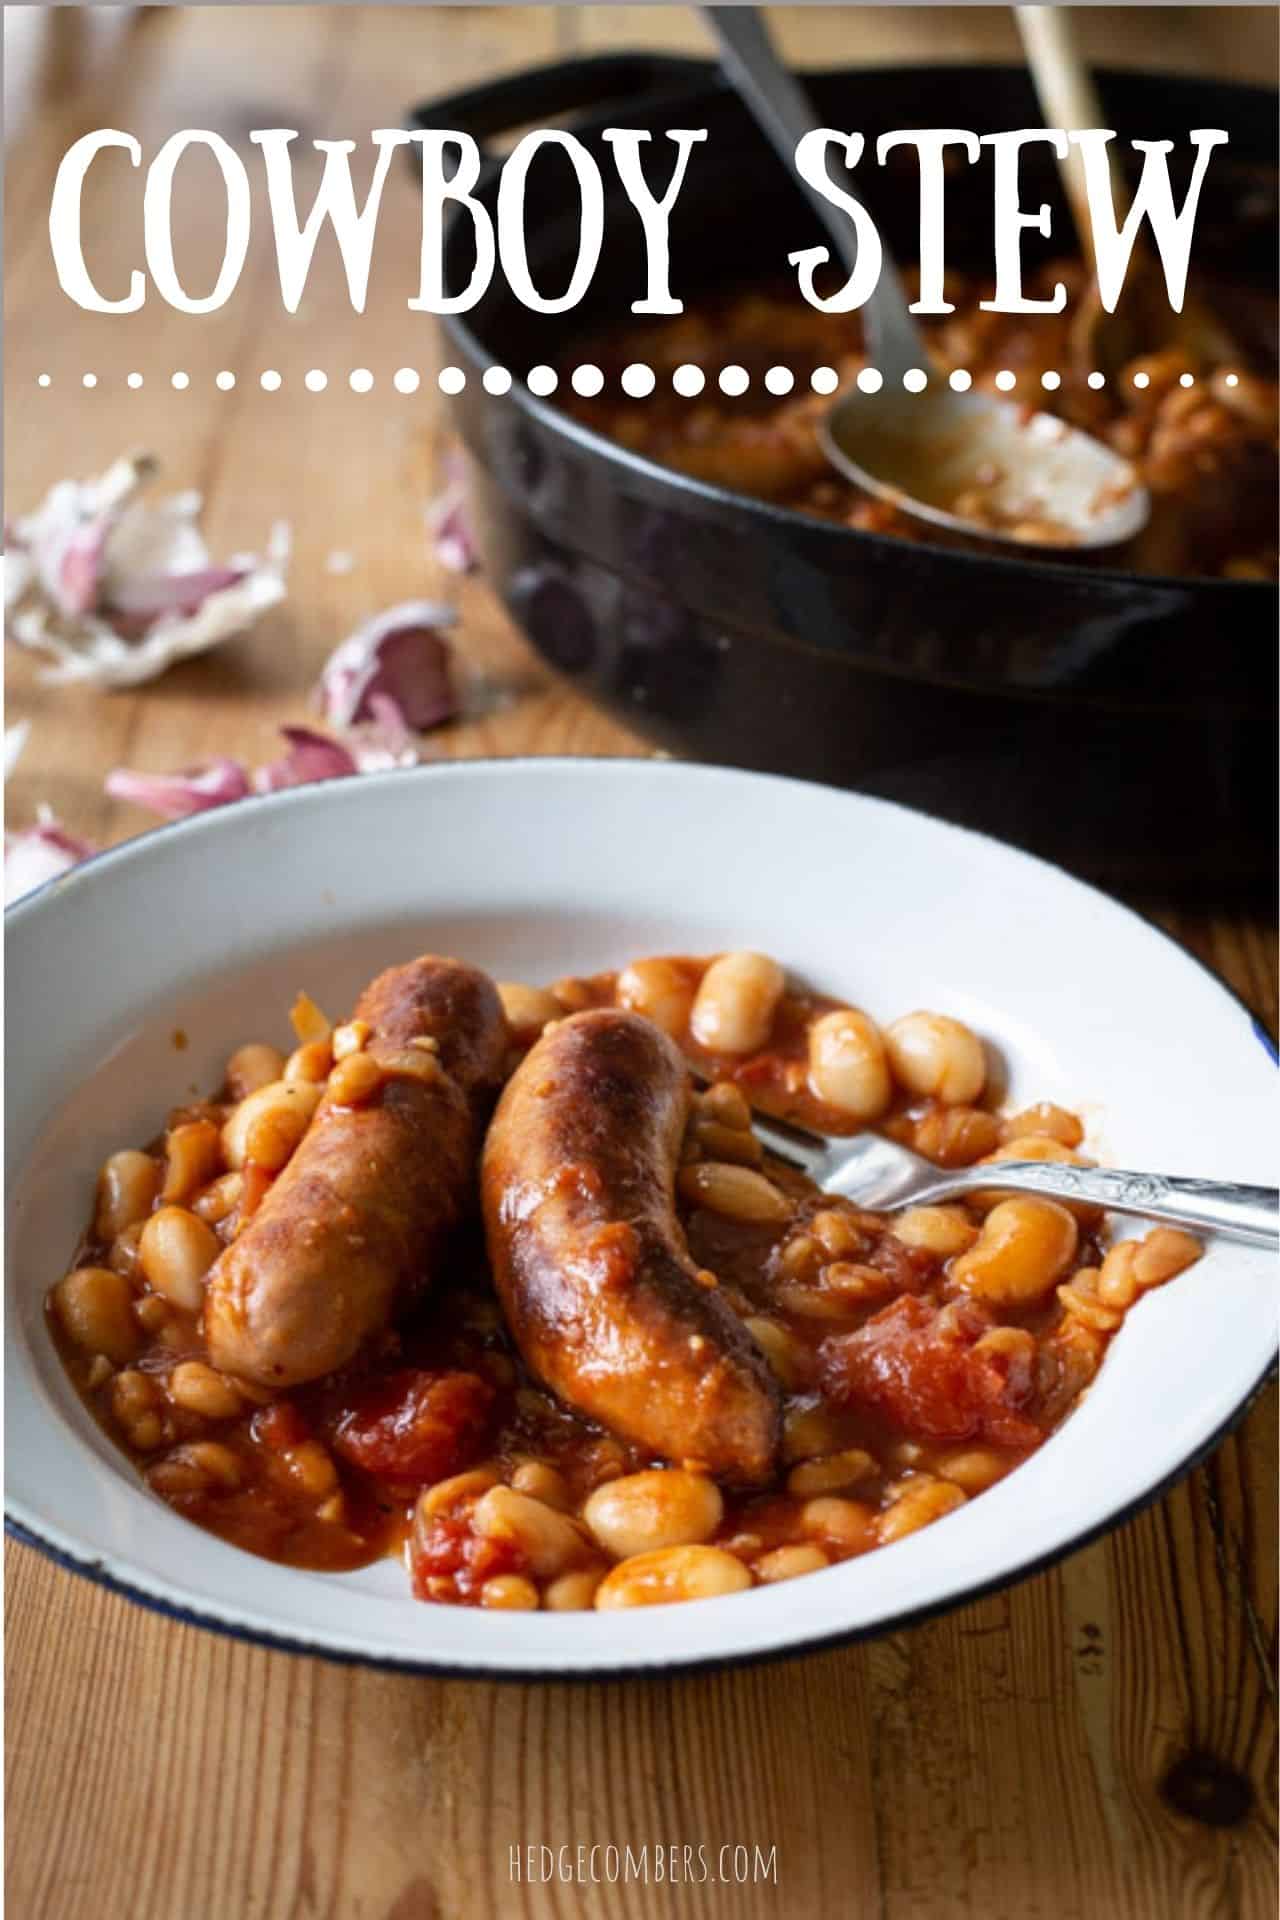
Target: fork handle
pixel 1251 1214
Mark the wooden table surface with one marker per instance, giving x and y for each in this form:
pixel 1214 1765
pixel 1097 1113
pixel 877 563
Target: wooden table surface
pixel 1097 1742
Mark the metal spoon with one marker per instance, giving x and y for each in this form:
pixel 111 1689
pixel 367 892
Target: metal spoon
pixel 881 1175
pixel 1042 482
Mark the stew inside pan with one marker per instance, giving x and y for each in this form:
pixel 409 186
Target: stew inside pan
pixel 1202 434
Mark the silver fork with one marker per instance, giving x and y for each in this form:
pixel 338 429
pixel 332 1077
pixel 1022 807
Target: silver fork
pixel 882 1176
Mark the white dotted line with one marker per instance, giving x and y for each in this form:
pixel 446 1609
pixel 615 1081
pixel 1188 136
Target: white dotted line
pixel 638 381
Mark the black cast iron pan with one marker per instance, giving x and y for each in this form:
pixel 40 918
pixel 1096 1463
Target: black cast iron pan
pixel 1122 723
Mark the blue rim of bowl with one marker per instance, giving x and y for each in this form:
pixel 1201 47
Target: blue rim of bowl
pixel 95 1570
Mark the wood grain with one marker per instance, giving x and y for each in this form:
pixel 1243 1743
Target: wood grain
pixel 1097 1742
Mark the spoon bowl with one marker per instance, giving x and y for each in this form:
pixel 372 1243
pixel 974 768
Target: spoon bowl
pixel 977 464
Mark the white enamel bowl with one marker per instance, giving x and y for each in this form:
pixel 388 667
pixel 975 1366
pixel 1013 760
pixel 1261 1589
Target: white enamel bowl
pixel 539 868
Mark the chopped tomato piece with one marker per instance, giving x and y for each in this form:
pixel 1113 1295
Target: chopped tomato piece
pixel 450 1561
pixel 416 1426
pixel 280 1426
pixel 924 1375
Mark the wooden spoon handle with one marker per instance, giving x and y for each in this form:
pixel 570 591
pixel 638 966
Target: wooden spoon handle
pixel 1068 98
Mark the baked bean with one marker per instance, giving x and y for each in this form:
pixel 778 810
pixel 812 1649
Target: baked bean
pixel 355 1080
pixel 784 1563
pixel 837 1233
pixel 1164 1252
pixel 848 1068
pixel 935 1056
pixel 1080 1298
pixel 218 1463
pixel 100 1371
pixel 310 1468
pixel 661 1508
pixel 127 1187
pixel 800 1257
pixel 831 1472
pixel 270 1121
pixel 219 1199
pixel 1116 1284
pixel 847 1525
pixel 94 1305
pixel 778 1348
pixel 854 1283
pixel 734 1006
pixel 573 1592
pixel 661 991
pixel 148 1432
pixel 1025 1245
pixel 176 1475
pixel 738 1146
pixel 727 1105
pixel 134 1393
pixel 418 1061
pixel 1044 1120
pixel 550 1542
pixel 196 1468
pixel 810 1430
pixel 528 1009
pixel 251 1067
pixel 543 1483
pixel 921 1501
pixel 739 1193
pixel 175 1253
pixel 941 1231
pixel 973 1468
pixel 445 1495
pixel 152 1313
pixel 952 1136
pixel 353 1037
pixel 123 1255
pixel 311 1062
pixel 671 1574
pixel 572 995
pixel 509 1593
pixel 192 1156
pixel 202 1389
pixel 822 1303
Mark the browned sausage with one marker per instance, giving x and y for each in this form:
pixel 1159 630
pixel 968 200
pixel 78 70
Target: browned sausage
pixel 602 1297
pixel 348 1234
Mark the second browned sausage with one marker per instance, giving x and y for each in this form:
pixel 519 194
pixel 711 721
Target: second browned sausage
pixel 348 1234
pixel 600 1292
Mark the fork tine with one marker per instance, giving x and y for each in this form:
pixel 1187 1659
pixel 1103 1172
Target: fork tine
pixel 796 1145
